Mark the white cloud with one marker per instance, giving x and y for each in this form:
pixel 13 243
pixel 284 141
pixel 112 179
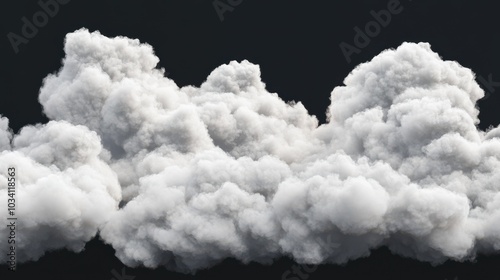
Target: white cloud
pixel 229 169
pixel 5 134
pixel 64 191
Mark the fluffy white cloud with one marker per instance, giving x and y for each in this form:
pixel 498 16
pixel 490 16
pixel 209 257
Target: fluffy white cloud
pixel 228 169
pixel 5 134
pixel 64 191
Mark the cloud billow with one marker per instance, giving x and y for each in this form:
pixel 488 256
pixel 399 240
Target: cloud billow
pixel 228 169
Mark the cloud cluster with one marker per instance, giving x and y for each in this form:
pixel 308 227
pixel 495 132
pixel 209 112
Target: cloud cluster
pixel 64 190
pixel 228 169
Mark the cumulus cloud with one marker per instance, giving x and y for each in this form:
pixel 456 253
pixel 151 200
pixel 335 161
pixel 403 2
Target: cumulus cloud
pixel 64 191
pixel 5 134
pixel 228 169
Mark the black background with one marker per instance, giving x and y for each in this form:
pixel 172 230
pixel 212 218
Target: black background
pixel 296 44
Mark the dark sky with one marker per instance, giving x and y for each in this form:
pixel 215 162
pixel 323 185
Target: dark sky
pixel 296 44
